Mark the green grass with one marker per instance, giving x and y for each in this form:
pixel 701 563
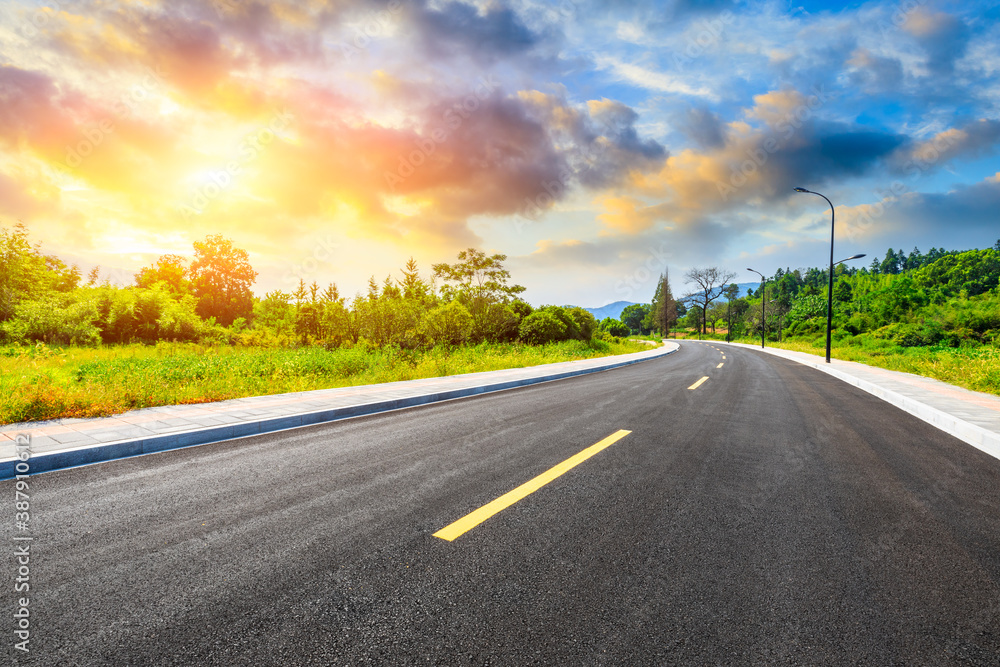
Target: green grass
pixel 41 382
pixel 976 368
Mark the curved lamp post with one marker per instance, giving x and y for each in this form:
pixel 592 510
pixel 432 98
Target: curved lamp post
pixel 829 297
pixel 763 284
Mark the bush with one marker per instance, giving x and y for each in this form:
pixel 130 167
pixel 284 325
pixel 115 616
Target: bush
pixel 585 322
pixel 53 318
pixel 541 327
pixel 909 335
pixel 450 324
pixel 615 328
pixel 572 329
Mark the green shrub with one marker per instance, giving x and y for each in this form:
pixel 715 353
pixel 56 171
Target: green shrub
pixel 542 326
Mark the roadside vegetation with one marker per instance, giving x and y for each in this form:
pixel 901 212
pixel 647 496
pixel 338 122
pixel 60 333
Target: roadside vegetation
pixel 191 330
pixel 935 314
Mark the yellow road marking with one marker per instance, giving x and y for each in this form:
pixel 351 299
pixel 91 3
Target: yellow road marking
pixel 719 366
pixel 698 383
pixel 723 356
pixel 473 519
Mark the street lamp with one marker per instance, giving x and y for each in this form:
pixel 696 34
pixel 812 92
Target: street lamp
pixel 829 297
pixel 763 284
pixel 850 258
pixel 729 312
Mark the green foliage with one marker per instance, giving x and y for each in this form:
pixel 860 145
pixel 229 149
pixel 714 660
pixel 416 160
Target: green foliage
pixel 634 317
pixel 450 324
pixel 972 273
pixel 614 327
pixel 42 382
pixel 53 318
pixel 542 326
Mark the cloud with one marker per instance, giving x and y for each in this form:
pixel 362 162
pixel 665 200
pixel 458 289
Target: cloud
pixel 456 28
pixel 16 200
pixel 703 127
pixel 875 73
pixel 650 79
pixel 942 36
pixel 974 139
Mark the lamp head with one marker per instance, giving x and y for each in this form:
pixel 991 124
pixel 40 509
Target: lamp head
pixel 801 190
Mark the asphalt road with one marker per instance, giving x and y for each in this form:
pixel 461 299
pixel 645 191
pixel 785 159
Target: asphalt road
pixel 771 515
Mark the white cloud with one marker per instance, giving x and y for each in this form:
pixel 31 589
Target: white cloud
pixel 651 79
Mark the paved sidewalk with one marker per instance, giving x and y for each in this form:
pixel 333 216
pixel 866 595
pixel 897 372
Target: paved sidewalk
pixel 970 416
pixel 64 443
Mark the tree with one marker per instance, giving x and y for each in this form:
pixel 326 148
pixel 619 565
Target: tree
pixel 634 315
pixel 586 325
pixel 169 269
pixel 614 327
pixel 480 282
pixel 221 278
pixel 891 262
pixel 664 306
pixel 710 284
pixel 450 324
pixel 542 326
pixel 414 287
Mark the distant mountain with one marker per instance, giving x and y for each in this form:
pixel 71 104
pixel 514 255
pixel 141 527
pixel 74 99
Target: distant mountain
pixel 613 310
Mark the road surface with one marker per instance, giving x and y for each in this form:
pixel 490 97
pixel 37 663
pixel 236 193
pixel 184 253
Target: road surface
pixel 767 514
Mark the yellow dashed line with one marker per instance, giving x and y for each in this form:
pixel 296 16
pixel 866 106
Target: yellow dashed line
pixel 473 519
pixel 698 383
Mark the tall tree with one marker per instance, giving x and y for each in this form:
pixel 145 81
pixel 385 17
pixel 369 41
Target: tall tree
pixel 664 310
pixel 480 283
pixel 221 278
pixel 709 286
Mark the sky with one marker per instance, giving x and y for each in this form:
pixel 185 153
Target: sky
pixel 595 143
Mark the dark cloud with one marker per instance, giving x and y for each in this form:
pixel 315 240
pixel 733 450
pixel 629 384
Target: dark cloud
pixel 617 122
pixel 492 155
pixel 972 139
pixel 943 38
pixel 818 153
pixel 971 212
pixel 702 127
pixel 459 28
pixel 875 74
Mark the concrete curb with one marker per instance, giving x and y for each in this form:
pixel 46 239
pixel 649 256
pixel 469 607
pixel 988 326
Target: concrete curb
pixel 73 457
pixel 982 439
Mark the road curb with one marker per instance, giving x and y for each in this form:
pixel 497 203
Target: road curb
pixel 119 449
pixel 982 439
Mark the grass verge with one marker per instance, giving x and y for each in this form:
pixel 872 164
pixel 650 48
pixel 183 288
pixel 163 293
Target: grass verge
pixel 975 368
pixel 41 382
